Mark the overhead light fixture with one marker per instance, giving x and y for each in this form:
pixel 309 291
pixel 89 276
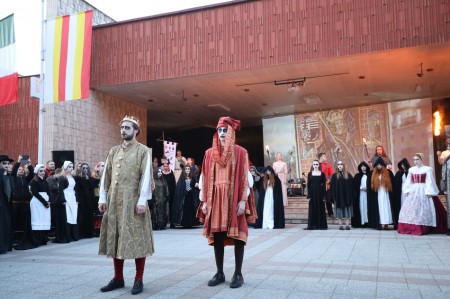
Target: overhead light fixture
pixel 293 83
pixel 420 75
pixel 299 81
pixel 292 87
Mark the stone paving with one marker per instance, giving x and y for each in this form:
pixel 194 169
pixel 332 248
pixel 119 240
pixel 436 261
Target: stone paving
pixel 288 263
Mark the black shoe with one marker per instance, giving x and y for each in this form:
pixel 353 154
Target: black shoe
pixel 341 227
pixel 137 287
pixel 237 281
pixel 217 279
pixel 112 285
pixel 347 227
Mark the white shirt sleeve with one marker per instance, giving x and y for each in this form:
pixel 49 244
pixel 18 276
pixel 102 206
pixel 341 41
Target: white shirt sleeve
pixel 250 182
pixel 146 186
pixel 103 193
pixel 200 186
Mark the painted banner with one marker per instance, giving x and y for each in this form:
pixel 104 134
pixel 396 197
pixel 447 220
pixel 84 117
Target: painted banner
pixel 68 57
pixel 170 150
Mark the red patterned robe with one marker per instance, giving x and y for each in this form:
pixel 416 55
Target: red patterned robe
pixel 224 184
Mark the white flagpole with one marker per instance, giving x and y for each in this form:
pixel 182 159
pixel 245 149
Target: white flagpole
pixel 41 94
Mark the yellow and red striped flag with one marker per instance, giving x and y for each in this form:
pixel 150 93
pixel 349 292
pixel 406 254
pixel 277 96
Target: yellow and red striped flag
pixel 68 57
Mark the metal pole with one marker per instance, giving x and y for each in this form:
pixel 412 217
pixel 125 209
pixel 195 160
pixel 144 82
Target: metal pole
pixel 42 88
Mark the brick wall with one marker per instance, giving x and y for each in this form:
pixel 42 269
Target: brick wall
pixel 257 34
pixel 88 127
pixel 19 124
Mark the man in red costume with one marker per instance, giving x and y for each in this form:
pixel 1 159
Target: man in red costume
pixel 226 207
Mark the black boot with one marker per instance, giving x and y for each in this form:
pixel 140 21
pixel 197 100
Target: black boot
pixel 112 285
pixel 137 287
pixel 237 281
pixel 217 279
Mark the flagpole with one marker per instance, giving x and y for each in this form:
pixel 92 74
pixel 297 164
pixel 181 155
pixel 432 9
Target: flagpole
pixel 42 85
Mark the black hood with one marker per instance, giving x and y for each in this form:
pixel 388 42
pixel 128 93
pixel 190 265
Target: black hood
pixel 379 160
pixel 269 168
pixel 405 162
pixel 365 164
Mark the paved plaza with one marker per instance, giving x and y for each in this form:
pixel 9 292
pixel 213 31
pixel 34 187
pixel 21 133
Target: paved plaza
pixel 288 263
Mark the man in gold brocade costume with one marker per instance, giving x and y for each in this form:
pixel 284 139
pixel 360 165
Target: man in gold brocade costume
pixel 126 231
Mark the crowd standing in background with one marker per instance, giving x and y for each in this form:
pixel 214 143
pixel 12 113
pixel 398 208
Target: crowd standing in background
pixel 40 204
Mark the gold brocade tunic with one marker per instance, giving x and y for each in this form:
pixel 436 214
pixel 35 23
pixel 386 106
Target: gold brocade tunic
pixel 125 234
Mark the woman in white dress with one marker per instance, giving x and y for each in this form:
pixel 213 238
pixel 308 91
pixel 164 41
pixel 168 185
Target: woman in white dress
pixel 379 196
pixel 71 201
pixel 419 209
pixel 280 169
pixel 270 204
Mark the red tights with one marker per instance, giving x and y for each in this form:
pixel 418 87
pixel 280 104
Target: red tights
pixel 118 268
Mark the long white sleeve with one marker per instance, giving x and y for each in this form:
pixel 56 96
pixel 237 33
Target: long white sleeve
pixel 250 182
pixel 103 193
pixel 430 183
pixel 146 186
pixel 200 186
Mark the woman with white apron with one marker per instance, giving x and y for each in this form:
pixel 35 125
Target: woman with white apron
pixel 71 201
pixel 39 207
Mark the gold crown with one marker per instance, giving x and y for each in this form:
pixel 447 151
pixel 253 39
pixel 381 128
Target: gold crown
pixel 132 119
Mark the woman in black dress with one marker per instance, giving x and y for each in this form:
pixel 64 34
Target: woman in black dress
pixel 84 192
pixel 185 195
pixel 316 194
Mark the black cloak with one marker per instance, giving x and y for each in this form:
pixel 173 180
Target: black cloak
pixel 185 207
pixel 316 206
pixel 397 189
pixel 84 192
pixel 372 197
pixel 171 185
pixel 342 190
pixel 356 219
pixel 278 207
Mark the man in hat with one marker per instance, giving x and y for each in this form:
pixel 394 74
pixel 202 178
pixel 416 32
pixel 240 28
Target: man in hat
pixel 442 156
pixel 226 207
pixel 380 195
pixel 6 188
pixel 445 182
pixel 126 231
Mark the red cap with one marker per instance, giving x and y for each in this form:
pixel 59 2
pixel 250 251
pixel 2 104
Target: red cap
pixel 228 121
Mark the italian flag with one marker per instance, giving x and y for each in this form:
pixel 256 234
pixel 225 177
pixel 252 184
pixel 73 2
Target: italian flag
pixel 9 81
pixel 68 57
